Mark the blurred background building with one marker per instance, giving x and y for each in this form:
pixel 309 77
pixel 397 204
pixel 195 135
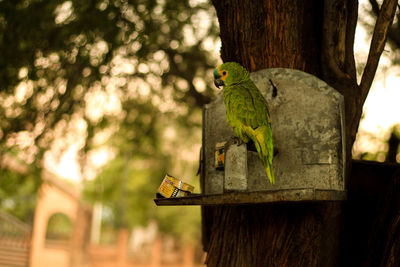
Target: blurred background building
pixel 62 235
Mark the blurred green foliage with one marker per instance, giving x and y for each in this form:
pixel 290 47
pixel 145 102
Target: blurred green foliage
pixel 18 192
pixel 387 146
pixel 127 185
pixel 57 55
pixel 127 74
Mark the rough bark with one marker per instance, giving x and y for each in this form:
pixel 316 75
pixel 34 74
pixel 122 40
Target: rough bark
pixel 372 216
pixel 285 33
pixel 261 35
pixel 265 34
pixel 275 235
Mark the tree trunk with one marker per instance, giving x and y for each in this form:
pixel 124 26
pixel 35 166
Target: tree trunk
pixel 316 37
pixel 262 35
pixel 268 34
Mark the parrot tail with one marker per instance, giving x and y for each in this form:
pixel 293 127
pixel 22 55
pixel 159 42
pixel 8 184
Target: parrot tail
pixel 270 174
pixel 262 139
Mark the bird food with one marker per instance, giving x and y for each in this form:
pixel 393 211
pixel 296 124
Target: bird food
pixel 220 155
pixel 173 187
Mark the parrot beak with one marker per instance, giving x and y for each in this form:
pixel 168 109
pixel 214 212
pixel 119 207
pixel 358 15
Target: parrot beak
pixel 219 82
pixel 217 79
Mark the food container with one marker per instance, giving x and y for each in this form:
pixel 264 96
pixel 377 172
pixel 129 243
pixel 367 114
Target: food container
pixel 173 187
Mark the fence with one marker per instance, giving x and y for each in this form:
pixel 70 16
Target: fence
pixel 15 238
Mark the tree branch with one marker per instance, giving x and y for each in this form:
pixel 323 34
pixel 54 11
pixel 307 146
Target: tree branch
pixel 394 31
pixel 330 42
pixel 382 26
pixel 375 6
pixel 352 15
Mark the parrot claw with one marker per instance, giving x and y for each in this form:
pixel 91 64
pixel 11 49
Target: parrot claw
pixel 233 140
pixel 239 141
pixel 236 140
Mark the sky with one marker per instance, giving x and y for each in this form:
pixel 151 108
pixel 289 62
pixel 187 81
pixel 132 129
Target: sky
pixel 380 113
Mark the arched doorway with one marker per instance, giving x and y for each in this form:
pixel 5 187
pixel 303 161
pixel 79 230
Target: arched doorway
pixel 58 231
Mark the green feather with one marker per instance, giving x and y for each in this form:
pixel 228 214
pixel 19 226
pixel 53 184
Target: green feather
pixel 247 112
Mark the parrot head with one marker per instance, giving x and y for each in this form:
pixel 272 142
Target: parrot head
pixel 229 73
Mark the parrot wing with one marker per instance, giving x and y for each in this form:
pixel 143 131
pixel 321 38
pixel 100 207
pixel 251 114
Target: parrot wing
pixel 248 105
pixel 249 116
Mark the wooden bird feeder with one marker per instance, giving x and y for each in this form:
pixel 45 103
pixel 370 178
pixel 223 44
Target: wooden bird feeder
pixel 308 130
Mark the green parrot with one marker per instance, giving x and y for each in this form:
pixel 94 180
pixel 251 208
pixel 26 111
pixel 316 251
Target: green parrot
pixel 246 111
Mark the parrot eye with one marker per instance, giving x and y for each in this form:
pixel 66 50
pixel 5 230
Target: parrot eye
pixel 224 73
